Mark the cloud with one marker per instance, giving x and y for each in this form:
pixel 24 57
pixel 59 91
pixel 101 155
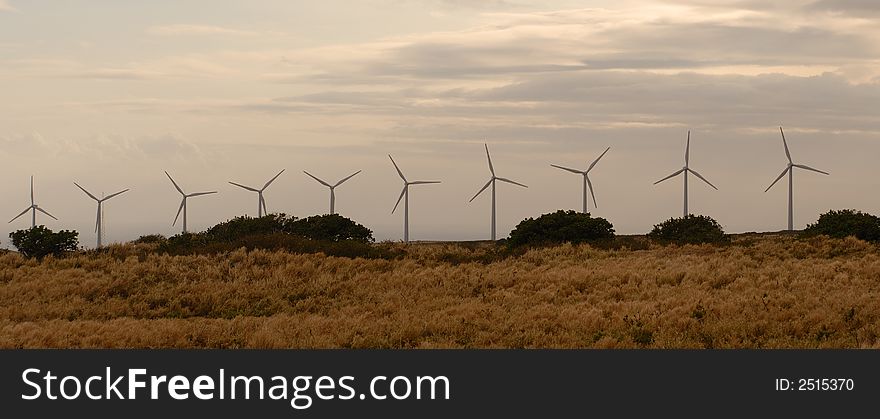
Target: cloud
pixel 117 74
pixel 197 30
pixel 850 7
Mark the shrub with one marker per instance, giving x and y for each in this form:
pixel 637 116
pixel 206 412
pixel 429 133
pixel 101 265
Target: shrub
pixel 847 222
pixel 560 227
pixel 332 235
pixel 150 239
pixel 332 227
pixel 39 242
pixel 247 226
pixel 692 229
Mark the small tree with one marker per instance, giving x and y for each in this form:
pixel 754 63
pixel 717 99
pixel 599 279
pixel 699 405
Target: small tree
pixel 332 227
pixel 560 227
pixel 692 229
pixel 39 242
pixel 247 226
pixel 847 222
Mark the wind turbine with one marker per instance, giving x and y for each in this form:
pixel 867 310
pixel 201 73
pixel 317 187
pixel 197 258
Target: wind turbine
pixel 261 203
pixel 790 170
pixel 685 170
pixel 183 201
pixel 33 209
pixel 405 193
pixel 332 188
pixel 586 176
pixel 492 182
pixel 99 228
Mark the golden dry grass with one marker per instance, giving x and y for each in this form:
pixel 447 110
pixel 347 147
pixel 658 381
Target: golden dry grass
pixel 761 292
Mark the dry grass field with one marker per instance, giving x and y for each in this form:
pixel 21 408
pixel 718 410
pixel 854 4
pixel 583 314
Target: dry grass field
pixel 761 291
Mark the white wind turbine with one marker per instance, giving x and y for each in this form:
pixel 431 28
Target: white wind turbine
pixel 685 170
pixel 261 202
pixel 183 201
pixel 33 209
pixel 332 188
pixel 405 194
pixel 492 182
pixel 99 227
pixel 586 175
pixel 790 170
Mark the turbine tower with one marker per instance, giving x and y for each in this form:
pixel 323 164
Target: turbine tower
pixel 33 209
pixel 261 202
pixel 405 194
pixel 332 188
pixel 183 201
pixel 790 170
pixel 685 170
pixel 99 224
pixel 492 182
pixel 586 175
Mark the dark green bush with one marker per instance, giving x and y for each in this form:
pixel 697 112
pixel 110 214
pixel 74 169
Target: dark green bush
pixel 560 227
pixel 692 229
pixel 247 226
pixel 150 239
pixel 39 242
pixel 332 227
pixel 844 223
pixel 189 244
pixel 332 235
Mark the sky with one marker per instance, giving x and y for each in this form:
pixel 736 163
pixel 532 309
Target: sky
pixel 110 94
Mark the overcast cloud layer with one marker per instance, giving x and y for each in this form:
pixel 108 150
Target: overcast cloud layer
pixel 110 94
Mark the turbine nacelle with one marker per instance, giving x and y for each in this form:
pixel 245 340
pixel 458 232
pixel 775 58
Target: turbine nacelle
pixel 405 194
pixel 789 170
pixel 185 196
pixel 261 202
pixel 332 187
pixel 491 182
pixel 33 208
pixel 100 216
pixel 685 170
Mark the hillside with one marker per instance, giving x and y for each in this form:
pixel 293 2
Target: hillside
pixel 761 291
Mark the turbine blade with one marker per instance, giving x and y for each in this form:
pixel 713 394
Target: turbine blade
pixel 182 203
pixel 245 187
pixel 87 192
pixel 687 150
pixel 590 184
pixel 568 169
pixel 347 178
pixel 32 190
pixel 263 203
pixel 597 160
pixel 273 179
pixel 175 184
pixel 670 176
pixel 810 168
pixel 785 143
pixel 398 169
pixel 702 178
pixel 97 220
pixel 777 179
pixel 22 213
pixel 116 194
pixel 482 189
pixel 319 180
pixel 491 168
pixel 45 212
pixel 201 193
pixel 403 191
pixel 512 182
pixel 423 182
